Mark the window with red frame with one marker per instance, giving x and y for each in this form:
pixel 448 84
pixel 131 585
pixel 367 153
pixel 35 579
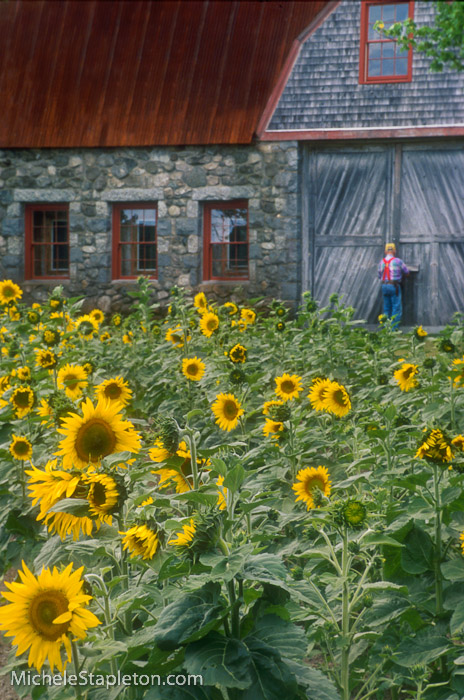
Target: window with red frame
pixel 225 240
pixel 47 241
pixel 134 240
pixel 381 60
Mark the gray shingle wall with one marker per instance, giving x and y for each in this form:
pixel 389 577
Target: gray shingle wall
pixel 323 91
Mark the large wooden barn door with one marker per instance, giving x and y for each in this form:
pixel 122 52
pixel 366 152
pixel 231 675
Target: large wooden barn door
pixel 356 198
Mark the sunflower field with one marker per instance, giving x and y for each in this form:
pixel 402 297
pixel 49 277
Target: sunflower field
pixel 219 502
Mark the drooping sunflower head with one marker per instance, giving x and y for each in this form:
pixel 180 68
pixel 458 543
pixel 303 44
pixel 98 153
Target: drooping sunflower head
pixel 23 399
pixel 51 337
pixel 227 410
pixel 86 326
pixel 406 376
pixel 337 400
pixel 458 442
pixel 44 612
pixel 193 368
pixel 238 354
pixel 9 292
pixel 231 308
pixel 288 386
pixel 420 333
pixel 140 541
pixel 222 493
pixel 46 359
pixel 273 429
pixel 21 448
pixel 97 315
pixel 248 315
pixel 23 374
pixel 436 447
pixel 186 537
pixel 103 495
pixel 98 432
pixel 176 336
pixel 200 302
pixel 310 480
pixel 72 379
pixel 209 323
pixel 115 389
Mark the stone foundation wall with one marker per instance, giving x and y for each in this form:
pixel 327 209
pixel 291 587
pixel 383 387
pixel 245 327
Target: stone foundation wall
pixel 179 180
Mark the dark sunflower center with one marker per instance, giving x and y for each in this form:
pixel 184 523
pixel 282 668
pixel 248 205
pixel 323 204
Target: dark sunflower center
pixel 8 292
pixel 21 447
pixel 86 328
pixel 176 338
pixel 230 410
pixel 315 483
pixel 22 399
pixel 46 607
pixel 287 386
pixel 211 324
pixel 98 494
pixel 340 398
pixel 192 369
pixel 113 391
pixel 407 373
pixel 95 439
pixel 71 381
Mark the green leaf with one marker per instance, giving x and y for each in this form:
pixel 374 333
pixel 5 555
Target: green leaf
pixel 457 619
pixel 265 568
pixel 272 678
pixel 219 465
pixel 75 506
pixel 282 635
pixel 234 478
pixel 426 646
pixel 380 539
pixel 417 556
pixel 219 660
pixel 453 570
pixel 317 686
pixel 189 618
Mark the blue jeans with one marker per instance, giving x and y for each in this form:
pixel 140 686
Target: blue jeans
pixel 392 306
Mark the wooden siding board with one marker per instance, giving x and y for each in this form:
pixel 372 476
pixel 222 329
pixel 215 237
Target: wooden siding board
pixel 97 73
pixel 323 91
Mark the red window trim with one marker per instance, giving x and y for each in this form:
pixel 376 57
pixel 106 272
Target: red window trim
pixel 207 246
pixel 116 249
pixel 28 239
pixel 364 79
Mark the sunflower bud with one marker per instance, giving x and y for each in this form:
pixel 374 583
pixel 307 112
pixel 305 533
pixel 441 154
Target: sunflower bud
pixel 237 376
pixel 169 433
pixel 351 513
pixel 429 362
pixel 447 345
pixel 281 413
pixel 60 406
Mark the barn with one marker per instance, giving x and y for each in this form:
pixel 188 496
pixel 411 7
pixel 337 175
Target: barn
pixel 250 148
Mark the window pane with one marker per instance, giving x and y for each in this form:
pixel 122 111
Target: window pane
pixel 375 50
pixel 60 258
pixel 401 66
pixel 49 246
pixel 375 13
pixel 128 261
pixel 219 226
pixel 388 14
pixel 146 257
pixel 229 242
pixel 402 11
pixel 374 68
pixel 388 49
pixel 388 67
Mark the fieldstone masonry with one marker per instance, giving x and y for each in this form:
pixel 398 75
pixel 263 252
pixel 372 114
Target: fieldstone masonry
pixel 179 180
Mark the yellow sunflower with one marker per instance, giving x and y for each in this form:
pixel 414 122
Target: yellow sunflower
pixel 458 442
pixel 222 493
pixel 23 374
pixel 317 393
pixel 405 376
pixel 51 337
pixel 73 379
pixel 176 337
pixel 103 495
pixel 200 303
pixel 248 315
pixel 99 432
pixel 4 384
pixel 238 354
pixel 97 316
pixel 288 386
pixel 308 480
pixel 86 326
pixel 9 291
pixel 23 399
pixel 140 541
pixel 21 448
pixel 227 410
pixel 46 612
pixel 272 428
pixel 461 537
pixel 269 405
pixel 231 308
pixel 193 368
pixel 337 400
pixel 435 447
pixel 184 538
pixel 46 359
pixel 182 476
pixel 209 323
pixel 115 389
pixel 45 411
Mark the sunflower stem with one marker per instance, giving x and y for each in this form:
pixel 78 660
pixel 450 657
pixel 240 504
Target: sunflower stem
pixel 452 405
pixel 75 657
pixel 438 553
pixel 193 456
pixel 345 663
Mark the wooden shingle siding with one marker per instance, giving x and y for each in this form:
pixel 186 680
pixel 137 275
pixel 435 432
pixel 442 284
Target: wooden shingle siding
pixel 323 91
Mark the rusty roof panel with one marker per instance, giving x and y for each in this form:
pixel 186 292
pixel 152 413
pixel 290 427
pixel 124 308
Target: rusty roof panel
pixel 133 73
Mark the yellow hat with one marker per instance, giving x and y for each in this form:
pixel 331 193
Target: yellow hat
pixel 390 248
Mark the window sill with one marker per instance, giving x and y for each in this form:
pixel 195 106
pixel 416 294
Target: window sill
pixel 133 282
pixel 56 281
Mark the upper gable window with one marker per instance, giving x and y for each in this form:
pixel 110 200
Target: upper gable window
pixel 134 240
pixel 381 60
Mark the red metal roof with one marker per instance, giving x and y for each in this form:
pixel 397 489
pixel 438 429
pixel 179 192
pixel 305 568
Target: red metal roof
pixel 133 73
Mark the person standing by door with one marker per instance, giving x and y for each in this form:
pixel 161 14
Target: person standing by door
pixel 391 272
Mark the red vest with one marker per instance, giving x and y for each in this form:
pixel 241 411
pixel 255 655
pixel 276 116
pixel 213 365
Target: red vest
pixel 386 270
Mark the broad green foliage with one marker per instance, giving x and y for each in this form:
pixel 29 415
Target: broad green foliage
pixel 284 520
